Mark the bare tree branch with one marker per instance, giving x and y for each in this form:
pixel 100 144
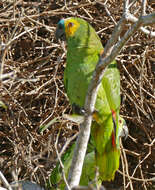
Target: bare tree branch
pixel 132 18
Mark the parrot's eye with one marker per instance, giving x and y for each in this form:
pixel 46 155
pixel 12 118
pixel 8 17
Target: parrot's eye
pixel 70 24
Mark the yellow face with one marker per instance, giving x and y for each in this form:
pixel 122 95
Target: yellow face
pixel 71 26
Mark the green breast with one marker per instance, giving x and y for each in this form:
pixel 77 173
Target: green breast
pixel 78 74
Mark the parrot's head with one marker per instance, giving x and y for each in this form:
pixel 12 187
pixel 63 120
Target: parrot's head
pixel 74 30
pixel 69 28
pixel 78 33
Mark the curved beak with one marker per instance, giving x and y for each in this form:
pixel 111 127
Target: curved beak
pixel 60 34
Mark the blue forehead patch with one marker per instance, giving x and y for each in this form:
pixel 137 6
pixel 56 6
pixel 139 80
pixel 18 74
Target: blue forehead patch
pixel 61 23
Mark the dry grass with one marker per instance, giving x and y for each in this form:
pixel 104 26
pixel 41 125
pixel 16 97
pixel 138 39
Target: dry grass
pixel 34 95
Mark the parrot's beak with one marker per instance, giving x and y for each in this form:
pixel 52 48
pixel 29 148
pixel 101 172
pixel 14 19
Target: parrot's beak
pixel 60 34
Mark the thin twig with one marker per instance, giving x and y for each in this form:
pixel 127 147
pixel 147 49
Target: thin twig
pixel 137 179
pixel 143 12
pixel 126 165
pixel 61 164
pixel 5 182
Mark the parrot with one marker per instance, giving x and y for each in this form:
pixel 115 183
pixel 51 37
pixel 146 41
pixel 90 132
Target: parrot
pixel 84 49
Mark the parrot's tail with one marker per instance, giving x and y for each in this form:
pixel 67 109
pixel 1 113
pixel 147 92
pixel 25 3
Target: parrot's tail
pixel 108 163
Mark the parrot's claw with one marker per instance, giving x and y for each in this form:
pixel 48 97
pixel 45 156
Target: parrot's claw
pixel 81 111
pixel 77 109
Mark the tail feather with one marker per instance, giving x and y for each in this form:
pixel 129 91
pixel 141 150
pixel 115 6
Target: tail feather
pixel 108 163
pixel 106 142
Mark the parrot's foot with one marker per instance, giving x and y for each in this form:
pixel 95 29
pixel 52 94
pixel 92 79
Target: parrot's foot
pixel 81 111
pixel 77 109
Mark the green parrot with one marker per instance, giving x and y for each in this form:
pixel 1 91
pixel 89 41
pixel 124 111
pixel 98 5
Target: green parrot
pixel 83 51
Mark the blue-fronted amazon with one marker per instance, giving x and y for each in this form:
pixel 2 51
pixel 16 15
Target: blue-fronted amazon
pixel 83 51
